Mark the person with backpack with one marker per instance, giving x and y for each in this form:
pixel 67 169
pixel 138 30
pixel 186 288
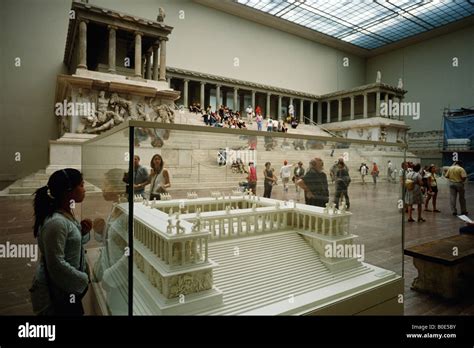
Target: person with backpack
pixel 364 170
pixel 342 180
pixel 414 192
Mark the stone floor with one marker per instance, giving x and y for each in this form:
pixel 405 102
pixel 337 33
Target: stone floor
pixel 375 219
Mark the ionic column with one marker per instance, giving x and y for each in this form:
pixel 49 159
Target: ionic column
pixel 253 100
pixel 218 96
pixel 138 54
pixel 377 103
pixel 365 105
pixel 279 107
pixel 207 251
pixel 156 48
pixel 386 105
pixel 339 109
pixel 82 44
pixel 320 112
pixel 236 94
pixel 148 65
pixel 185 93
pixel 268 105
pixel 311 110
pixel 203 86
pixel 163 58
pixel 328 120
pixel 301 110
pixel 112 48
pixel 352 107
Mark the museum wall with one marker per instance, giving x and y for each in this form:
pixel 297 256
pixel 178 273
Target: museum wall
pixel 429 76
pixel 206 40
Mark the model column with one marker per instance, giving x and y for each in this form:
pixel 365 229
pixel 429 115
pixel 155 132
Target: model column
pixel 339 110
pixel 268 105
pixel 311 110
pixel 386 106
pixel 377 104
pixel 301 110
pixel 112 48
pixel 320 112
pixel 185 93
pixel 236 98
pixel 352 107
pixel 279 107
pixel 328 114
pixel 156 48
pixel 203 88
pixel 138 54
pixel 253 100
pixel 218 97
pixel 82 44
pixel 163 58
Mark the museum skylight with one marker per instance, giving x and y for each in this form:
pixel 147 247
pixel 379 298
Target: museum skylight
pixel 367 24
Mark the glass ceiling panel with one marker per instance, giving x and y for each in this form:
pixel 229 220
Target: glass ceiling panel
pixel 366 23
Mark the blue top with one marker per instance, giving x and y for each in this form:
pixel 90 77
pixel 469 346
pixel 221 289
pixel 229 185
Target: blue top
pixel 60 242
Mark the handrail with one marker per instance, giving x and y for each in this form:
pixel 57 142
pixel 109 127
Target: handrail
pixel 321 127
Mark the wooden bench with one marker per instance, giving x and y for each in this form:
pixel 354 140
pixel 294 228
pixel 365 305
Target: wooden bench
pixel 445 266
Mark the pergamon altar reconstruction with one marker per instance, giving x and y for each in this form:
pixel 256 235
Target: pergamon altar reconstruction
pixel 181 161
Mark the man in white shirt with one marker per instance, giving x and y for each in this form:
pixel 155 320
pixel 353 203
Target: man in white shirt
pixel 285 174
pixel 249 111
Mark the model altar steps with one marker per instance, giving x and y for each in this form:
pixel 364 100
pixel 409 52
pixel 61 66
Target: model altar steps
pixel 259 271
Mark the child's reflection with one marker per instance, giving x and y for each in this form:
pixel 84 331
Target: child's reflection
pixel 111 268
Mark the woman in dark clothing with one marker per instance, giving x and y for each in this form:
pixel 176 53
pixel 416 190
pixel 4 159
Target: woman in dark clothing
pixel 270 180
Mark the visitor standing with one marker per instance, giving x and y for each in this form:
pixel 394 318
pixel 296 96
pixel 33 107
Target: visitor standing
pixel 61 273
pixel 457 176
pixel 285 174
pixel 270 180
pixel 269 124
pixel 414 192
pixel 389 171
pixel 159 178
pixel 432 189
pixel 252 178
pixel 140 177
pixel 315 184
pixel 364 170
pixel 259 120
pixel 298 174
pixel 375 173
pixel 342 184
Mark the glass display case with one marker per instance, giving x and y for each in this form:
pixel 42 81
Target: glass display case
pixel 238 222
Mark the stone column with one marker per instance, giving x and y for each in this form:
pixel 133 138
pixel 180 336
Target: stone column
pixel 279 107
pixel 253 100
pixel 236 99
pixel 301 110
pixel 365 105
pixel 311 110
pixel 203 86
pixel 138 54
pixel 352 107
pixel 185 93
pixel 218 96
pixel 112 48
pixel 82 44
pixel 268 105
pixel 328 120
pixel 148 65
pixel 320 112
pixel 339 110
pixel 156 48
pixel 163 58
pixel 377 104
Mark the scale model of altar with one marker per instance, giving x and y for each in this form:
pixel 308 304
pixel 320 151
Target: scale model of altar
pixel 247 255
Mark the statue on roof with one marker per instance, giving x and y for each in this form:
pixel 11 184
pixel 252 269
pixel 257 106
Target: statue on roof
pixel 400 83
pixel 379 77
pixel 161 15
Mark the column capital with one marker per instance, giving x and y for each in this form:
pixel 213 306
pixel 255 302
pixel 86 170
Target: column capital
pixel 112 27
pixel 218 85
pixel 162 38
pixel 202 83
pixel 82 20
pixel 236 88
pixel 186 80
pixel 138 33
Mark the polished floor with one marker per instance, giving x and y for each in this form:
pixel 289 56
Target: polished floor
pixel 376 220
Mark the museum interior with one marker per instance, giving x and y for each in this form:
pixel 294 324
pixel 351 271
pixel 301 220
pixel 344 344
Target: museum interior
pixel 239 157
